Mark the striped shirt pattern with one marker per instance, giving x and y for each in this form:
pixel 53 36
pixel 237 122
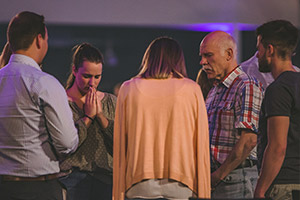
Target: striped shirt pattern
pixel 232 105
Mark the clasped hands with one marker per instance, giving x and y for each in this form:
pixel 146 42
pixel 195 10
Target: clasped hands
pixel 92 106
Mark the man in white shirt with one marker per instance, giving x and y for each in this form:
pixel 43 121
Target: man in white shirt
pixel 36 124
pixel 250 66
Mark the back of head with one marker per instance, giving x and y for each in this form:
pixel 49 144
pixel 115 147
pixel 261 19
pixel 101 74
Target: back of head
pixel 163 59
pixel 23 28
pixel 83 52
pixel 282 34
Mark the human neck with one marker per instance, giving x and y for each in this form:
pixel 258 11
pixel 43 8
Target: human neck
pixel 279 66
pixel 74 93
pixel 30 52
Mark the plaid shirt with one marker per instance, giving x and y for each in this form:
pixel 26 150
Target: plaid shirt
pixel 232 105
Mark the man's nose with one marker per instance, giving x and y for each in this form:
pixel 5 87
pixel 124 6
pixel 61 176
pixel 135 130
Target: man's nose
pixel 203 61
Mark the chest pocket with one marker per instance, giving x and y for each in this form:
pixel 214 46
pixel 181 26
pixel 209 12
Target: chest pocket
pixel 226 113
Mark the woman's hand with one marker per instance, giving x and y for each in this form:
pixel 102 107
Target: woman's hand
pixel 99 104
pixel 100 117
pixel 90 105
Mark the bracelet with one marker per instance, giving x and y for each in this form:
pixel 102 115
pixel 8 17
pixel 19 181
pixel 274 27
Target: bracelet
pixel 89 117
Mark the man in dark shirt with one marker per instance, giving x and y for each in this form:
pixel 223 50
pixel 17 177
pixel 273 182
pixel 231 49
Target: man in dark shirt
pixel 279 143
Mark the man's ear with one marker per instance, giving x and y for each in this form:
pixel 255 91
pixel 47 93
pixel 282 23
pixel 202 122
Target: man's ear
pixel 229 54
pixel 270 50
pixel 39 39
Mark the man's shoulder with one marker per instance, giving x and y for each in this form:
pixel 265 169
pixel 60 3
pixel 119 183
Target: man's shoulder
pixel 245 79
pixel 286 79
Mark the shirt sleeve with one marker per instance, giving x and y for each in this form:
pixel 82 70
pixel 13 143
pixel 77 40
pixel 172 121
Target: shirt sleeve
pixel 248 108
pixel 109 112
pixel 58 115
pixel 278 101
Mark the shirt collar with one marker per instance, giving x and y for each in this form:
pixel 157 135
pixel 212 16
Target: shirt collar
pixel 227 81
pixel 26 60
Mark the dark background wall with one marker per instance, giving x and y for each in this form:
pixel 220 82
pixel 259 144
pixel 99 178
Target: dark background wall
pixel 123 49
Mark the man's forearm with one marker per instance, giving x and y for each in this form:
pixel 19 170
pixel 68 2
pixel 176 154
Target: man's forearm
pixel 270 168
pixel 238 154
pixel 274 154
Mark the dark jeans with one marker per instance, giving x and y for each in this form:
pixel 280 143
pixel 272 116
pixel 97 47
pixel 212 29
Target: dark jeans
pixel 82 186
pixel 31 190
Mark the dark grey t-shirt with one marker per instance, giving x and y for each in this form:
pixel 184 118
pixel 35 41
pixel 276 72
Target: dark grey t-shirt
pixel 282 98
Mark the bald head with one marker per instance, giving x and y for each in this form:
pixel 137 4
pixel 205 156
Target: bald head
pixel 219 53
pixel 221 40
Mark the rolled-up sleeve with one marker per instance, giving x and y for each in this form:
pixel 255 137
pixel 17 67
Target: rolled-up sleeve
pixel 251 96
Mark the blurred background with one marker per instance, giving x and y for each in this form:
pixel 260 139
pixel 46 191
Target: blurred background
pixel 122 29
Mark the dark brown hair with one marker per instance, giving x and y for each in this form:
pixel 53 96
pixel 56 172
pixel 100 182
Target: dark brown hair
pixel 23 28
pixel 282 34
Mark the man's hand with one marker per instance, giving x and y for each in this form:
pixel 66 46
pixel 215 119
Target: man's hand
pixel 215 179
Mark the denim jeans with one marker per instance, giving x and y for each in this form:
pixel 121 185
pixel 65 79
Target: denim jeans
pixel 82 186
pixel 240 183
pixel 283 191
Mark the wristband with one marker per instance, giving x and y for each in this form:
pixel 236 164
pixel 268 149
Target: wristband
pixel 89 117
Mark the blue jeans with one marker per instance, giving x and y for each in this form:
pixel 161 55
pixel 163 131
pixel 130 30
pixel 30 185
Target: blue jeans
pixel 82 186
pixel 240 183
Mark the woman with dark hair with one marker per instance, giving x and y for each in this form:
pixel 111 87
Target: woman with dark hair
pixel 89 169
pixel 161 145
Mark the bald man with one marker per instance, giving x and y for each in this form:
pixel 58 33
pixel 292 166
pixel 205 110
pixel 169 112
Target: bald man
pixel 233 106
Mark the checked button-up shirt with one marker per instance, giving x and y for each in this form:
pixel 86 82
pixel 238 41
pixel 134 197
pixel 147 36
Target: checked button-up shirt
pixel 233 104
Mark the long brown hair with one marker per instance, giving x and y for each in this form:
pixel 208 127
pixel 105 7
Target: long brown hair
pixel 83 52
pixel 162 59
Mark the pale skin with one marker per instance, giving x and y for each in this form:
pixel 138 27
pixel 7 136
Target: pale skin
pixel 277 126
pixel 83 92
pixel 218 52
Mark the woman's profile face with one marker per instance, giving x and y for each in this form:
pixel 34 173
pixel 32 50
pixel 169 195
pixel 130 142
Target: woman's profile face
pixel 88 75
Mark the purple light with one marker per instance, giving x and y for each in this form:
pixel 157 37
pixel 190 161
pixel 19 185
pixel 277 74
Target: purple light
pixel 227 27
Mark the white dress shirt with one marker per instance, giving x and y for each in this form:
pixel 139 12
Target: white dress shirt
pixel 36 123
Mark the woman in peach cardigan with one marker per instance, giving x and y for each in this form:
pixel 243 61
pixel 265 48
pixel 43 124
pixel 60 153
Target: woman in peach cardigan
pixel 161 141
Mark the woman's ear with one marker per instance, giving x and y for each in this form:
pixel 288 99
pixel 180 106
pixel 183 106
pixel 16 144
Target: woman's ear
pixel 74 71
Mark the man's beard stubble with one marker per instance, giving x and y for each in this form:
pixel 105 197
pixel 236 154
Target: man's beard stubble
pixel 264 66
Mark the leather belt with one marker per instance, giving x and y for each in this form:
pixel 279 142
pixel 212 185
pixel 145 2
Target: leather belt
pixel 39 178
pixel 247 163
